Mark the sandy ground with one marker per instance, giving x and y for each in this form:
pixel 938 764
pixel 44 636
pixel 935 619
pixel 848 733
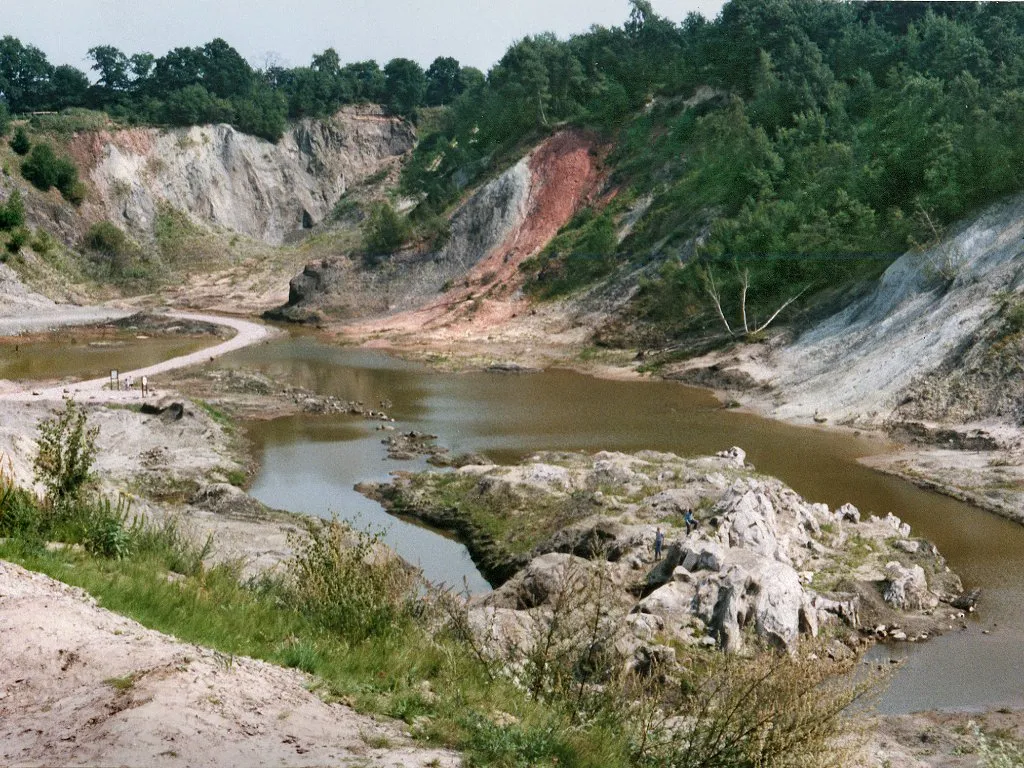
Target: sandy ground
pixel 174 705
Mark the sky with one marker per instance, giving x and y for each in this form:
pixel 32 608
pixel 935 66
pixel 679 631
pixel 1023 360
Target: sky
pixel 476 32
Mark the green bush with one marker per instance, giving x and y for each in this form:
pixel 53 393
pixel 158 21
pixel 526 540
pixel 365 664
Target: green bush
pixel 349 581
pixel 43 242
pixel 73 120
pixel 385 231
pixel 108 532
pixel 107 238
pixel 20 142
pixel 44 169
pixel 12 212
pixel 67 449
pixel 17 240
pixel 5 119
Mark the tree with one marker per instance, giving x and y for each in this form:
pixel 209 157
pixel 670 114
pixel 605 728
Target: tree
pixel 5 118
pixel 224 72
pixel 24 75
pixel 194 105
pixel 444 81
pixel 68 87
pixel 261 112
pixel 405 86
pixel 112 68
pixel 67 450
pixel 384 232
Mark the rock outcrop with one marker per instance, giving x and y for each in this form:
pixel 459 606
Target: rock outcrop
pixel 474 276
pixel 763 563
pixel 226 179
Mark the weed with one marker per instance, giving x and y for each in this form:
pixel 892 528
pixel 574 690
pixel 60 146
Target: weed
pixel 124 683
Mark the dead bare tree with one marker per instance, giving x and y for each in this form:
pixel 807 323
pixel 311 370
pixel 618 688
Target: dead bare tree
pixel 707 277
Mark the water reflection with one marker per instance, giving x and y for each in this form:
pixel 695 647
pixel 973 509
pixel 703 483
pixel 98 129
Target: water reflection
pixel 311 464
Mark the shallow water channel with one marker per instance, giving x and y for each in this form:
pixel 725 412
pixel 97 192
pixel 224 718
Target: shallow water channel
pixel 311 463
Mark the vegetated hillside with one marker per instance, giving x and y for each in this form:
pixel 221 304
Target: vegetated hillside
pixel 469 277
pixel 939 338
pixel 824 140
pixel 144 208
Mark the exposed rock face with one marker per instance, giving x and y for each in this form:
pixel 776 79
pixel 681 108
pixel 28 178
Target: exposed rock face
pixel 907 588
pixel 932 315
pixel 762 563
pixel 231 180
pixel 474 277
pixel 342 288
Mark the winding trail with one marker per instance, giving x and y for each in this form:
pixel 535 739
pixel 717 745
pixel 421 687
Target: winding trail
pixel 247 334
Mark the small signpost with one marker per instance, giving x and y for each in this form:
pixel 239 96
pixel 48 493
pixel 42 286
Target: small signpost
pixel 115 381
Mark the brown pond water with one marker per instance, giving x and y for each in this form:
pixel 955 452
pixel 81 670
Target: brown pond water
pixel 310 464
pixel 80 357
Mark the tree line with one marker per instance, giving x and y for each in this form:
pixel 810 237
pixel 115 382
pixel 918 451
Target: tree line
pixel 840 132
pixel 214 83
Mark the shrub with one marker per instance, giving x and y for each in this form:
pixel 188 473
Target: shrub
pixel 19 513
pixel 385 231
pixel 67 449
pixel 12 212
pixel 44 169
pixel 107 238
pixel 349 583
pixel 997 753
pixel 17 240
pixel 43 242
pixel 5 118
pixel 20 142
pixel 107 532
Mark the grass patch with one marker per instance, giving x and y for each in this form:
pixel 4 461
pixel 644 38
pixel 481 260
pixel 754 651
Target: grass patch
pixel 122 684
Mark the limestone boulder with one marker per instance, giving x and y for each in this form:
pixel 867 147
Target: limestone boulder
pixel 752 591
pixel 907 588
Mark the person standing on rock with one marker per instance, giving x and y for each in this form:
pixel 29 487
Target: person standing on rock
pixel 659 541
pixel 145 386
pixel 691 524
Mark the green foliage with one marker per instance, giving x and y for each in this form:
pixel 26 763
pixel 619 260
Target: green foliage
pixel 67 450
pixel 43 243
pixel 12 212
pixel 20 142
pixel 5 119
pixel 17 239
pixel 580 254
pixel 70 121
pixel 348 581
pixel 405 86
pixel 194 105
pixel 385 231
pixel 108 531
pixel 107 238
pixel 998 753
pixel 44 169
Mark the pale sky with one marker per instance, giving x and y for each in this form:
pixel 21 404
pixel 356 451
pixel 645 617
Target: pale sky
pixel 475 32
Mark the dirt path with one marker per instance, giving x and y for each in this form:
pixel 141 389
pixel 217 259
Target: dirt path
pixel 95 390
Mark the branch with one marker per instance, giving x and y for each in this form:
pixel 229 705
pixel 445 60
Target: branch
pixel 777 311
pixel 745 282
pixel 708 278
